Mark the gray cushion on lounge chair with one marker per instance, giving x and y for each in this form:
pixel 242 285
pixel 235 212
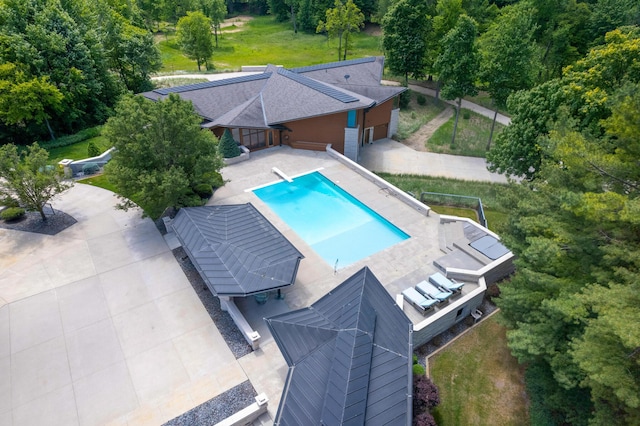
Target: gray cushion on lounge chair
pixel 433 291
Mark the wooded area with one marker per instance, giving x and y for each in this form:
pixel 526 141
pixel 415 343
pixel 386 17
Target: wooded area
pixel 568 73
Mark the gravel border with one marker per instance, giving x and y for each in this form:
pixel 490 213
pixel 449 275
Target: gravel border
pixel 219 408
pixel 234 338
pixel 487 307
pixel 56 222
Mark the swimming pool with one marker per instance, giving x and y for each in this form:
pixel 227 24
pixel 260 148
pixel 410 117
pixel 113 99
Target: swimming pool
pixel 336 225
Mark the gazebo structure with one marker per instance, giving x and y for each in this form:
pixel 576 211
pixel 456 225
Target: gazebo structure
pixel 349 356
pixel 236 250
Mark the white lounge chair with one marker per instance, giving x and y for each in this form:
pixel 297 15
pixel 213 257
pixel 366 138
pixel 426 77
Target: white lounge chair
pixel 435 292
pixel 420 302
pixel 440 280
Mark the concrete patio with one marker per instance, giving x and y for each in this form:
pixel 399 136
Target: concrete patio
pixel 99 325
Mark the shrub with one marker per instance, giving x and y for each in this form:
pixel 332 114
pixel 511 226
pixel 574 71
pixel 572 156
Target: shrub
pixel 405 98
pixel 425 394
pixel 90 168
pixel 9 202
pixel 466 115
pixel 81 136
pixel 203 190
pixel 93 150
pixel 422 100
pixel 12 213
pixel 418 370
pixel 228 147
pixel 424 419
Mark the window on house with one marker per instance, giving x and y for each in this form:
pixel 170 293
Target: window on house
pixel 253 138
pixel 459 312
pixel 351 119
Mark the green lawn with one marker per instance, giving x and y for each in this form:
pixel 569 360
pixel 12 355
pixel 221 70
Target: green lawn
pixel 490 194
pixel 471 137
pixel 262 41
pixel 77 151
pixel 415 115
pixel 480 382
pixel 100 181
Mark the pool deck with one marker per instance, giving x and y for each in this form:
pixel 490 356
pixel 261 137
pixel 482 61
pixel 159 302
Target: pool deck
pixel 397 267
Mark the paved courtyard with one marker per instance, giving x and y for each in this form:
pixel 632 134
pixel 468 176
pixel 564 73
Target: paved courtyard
pixel 99 325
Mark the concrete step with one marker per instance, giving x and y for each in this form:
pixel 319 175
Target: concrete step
pixel 264 420
pixel 453 231
pixel 442 239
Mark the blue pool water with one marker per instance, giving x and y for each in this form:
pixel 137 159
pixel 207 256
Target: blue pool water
pixel 334 223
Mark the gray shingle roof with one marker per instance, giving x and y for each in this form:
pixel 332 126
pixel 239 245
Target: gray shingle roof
pixel 349 357
pixel 279 96
pixel 236 250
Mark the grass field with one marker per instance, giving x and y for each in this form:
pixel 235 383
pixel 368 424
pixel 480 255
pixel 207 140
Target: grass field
pixel 415 115
pixel 77 151
pixel 261 41
pixel 490 194
pixel 480 382
pixel 471 137
pixel 455 211
pixel 100 181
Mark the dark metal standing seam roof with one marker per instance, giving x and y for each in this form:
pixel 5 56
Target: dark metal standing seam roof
pixel 349 357
pixel 236 250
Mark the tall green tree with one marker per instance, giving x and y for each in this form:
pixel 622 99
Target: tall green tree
pixel 406 28
pixel 507 52
pixel 457 66
pixel 24 100
pixel 216 10
pixel 60 41
pixel 162 153
pixel 130 50
pixel 583 92
pixel 28 178
pixel 193 34
pixel 342 21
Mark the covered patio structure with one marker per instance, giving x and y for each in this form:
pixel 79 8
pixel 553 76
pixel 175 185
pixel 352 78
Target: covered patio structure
pixel 238 253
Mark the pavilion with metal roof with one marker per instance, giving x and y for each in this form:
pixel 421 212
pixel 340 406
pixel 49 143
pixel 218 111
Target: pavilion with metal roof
pixel 236 250
pixel 349 356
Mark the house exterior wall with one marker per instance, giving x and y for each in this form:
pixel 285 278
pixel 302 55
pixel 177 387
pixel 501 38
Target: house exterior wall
pixel 379 118
pixel 426 330
pixel 327 129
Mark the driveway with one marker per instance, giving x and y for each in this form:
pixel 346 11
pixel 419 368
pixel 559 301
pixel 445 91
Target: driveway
pixel 98 324
pixel 387 155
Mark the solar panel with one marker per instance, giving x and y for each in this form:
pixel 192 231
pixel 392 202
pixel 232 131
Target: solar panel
pixel 320 87
pixel 333 65
pixel 215 83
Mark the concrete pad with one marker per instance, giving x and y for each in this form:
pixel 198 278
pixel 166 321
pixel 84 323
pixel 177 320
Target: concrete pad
pixel 34 320
pixel 38 370
pixel 181 312
pixel 93 348
pixel 5 419
pixel 81 304
pixel 25 279
pixel 200 353
pixel 56 408
pixel 5 334
pixel 162 275
pixel 5 384
pixel 112 250
pixel 124 288
pixel 157 372
pixel 140 329
pixel 105 395
pixel 75 265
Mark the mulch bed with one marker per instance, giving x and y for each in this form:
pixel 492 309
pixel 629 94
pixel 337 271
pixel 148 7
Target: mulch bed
pixel 57 221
